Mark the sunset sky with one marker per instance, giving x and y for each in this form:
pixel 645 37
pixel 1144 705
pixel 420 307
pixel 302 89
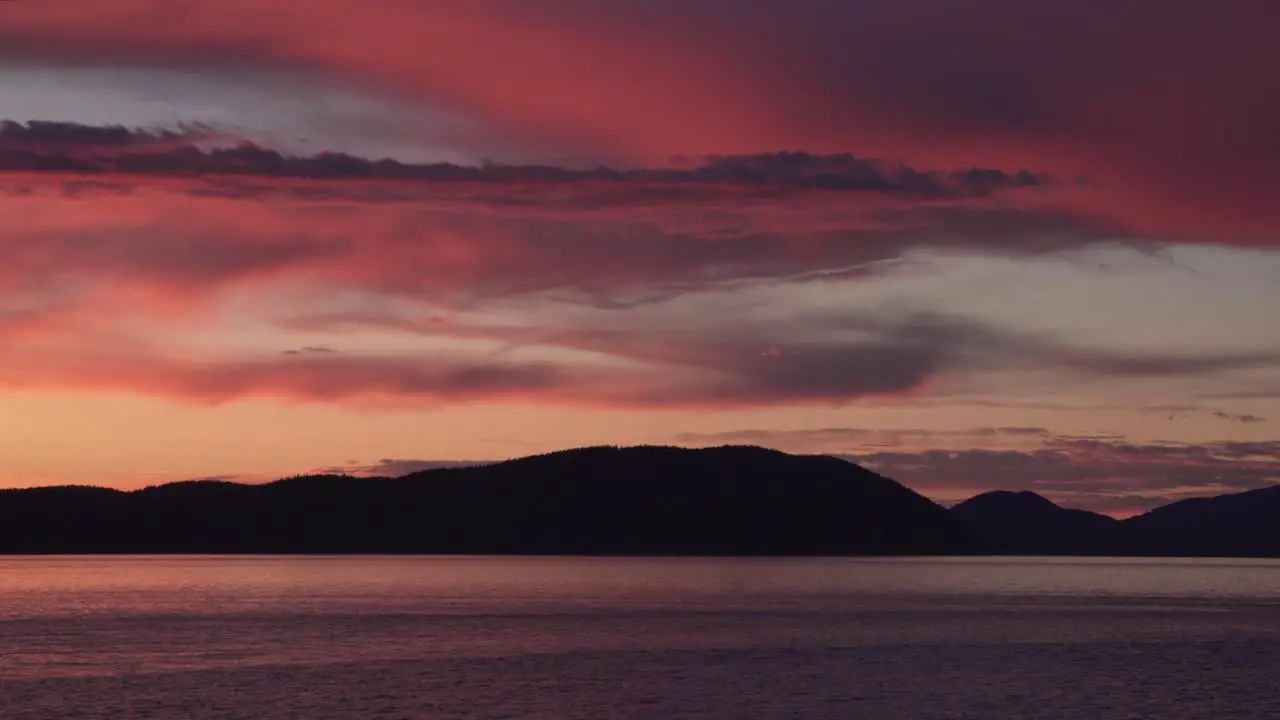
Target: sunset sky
pixel 997 243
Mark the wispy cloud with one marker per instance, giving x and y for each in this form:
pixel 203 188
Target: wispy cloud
pixel 396 467
pixel 1244 418
pixel 309 350
pixel 846 439
pixel 648 357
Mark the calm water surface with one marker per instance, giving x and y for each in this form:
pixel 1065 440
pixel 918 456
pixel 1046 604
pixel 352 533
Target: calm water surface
pixel 348 638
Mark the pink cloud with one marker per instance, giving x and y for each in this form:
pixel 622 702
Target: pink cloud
pixel 1151 109
pixel 187 239
pixel 140 254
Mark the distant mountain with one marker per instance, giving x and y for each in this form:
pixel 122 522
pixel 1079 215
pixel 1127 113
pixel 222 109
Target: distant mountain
pixel 1241 525
pixel 1025 523
pixel 602 500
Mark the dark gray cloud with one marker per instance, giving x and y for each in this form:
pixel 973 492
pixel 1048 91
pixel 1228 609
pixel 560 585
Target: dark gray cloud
pixel 310 349
pixel 75 148
pixel 847 355
pixel 1183 412
pixel 77 140
pixel 1244 418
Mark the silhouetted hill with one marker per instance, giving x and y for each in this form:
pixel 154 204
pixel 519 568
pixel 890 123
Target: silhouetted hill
pixel 649 500
pixel 1241 525
pixel 1025 523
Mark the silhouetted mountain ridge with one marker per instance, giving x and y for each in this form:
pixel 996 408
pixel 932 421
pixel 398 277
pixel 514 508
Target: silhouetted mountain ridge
pixel 1032 524
pixel 732 500
pixel 1243 524
pixel 599 500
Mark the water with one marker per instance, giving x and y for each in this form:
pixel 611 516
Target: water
pixel 348 638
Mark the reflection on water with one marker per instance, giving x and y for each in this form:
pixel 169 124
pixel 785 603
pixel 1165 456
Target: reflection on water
pixel 355 637
pixel 45 586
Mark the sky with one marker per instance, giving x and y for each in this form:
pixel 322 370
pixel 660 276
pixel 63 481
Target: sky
pixel 991 244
